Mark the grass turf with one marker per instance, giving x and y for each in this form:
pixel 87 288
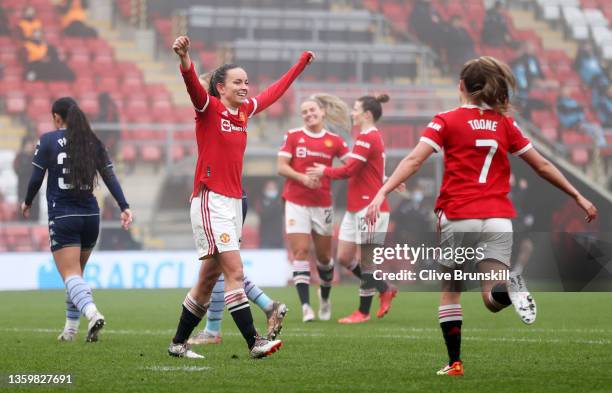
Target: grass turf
pixel 568 349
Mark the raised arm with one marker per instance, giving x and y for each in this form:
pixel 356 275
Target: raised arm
pixel 275 91
pixel 197 93
pixel 550 173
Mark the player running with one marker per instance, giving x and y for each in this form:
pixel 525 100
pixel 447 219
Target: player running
pixel 365 171
pixel 73 156
pixel 308 202
pixel 473 207
pixel 222 114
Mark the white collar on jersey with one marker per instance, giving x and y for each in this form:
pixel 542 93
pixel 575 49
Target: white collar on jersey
pixel 311 134
pixel 365 132
pixel 472 106
pixel 233 111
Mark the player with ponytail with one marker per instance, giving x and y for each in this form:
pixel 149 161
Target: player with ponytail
pixel 74 157
pixel 365 171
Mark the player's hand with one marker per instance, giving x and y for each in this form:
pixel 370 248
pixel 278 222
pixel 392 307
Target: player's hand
pixel 25 210
pixel 309 55
pixel 401 188
pixel 181 45
pixel 310 182
pixel 126 218
pixel 588 207
pixel 374 209
pixel 316 171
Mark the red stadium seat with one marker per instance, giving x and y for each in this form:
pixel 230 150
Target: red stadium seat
pixel 19 238
pixel 128 152
pixel 151 153
pixel 40 237
pixel 15 102
pixel 580 156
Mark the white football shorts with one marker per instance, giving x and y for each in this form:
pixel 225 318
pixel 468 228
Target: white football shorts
pixel 216 221
pixel 354 228
pixel 305 219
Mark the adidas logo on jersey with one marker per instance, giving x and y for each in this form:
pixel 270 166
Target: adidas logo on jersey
pixel 224 113
pixel 301 140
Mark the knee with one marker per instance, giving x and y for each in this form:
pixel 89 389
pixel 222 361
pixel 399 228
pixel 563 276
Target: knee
pixel 300 254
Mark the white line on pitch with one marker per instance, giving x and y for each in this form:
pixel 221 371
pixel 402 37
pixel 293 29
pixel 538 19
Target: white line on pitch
pixel 168 332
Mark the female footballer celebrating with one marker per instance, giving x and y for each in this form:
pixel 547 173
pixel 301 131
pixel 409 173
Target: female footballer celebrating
pixel 73 155
pixel 473 207
pixel 365 170
pixel 222 114
pixel 308 201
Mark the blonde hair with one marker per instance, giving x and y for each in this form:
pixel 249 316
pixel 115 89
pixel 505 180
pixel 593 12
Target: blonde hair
pixel 337 112
pixel 489 81
pixel 205 79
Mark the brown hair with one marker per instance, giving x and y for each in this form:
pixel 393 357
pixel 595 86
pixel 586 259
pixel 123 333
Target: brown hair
pixel 489 81
pixel 373 104
pixel 337 113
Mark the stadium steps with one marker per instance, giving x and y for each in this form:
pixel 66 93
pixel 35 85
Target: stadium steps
pixel 154 71
pixel 551 39
pixel 12 133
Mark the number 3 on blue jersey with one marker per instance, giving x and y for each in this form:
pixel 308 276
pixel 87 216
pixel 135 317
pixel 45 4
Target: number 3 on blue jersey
pixel 60 180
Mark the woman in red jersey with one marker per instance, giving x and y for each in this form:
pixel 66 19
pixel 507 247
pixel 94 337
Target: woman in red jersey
pixel 365 170
pixel 308 202
pixel 222 114
pixel 473 208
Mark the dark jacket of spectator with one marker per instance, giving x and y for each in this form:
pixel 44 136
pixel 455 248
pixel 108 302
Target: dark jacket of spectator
pixel 23 169
pixel 459 45
pixel 425 21
pixel 109 113
pixel 495 30
pixel 42 61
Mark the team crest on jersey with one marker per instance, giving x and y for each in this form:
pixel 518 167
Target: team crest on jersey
pixel 328 143
pixel 291 222
pixel 242 116
pixel 225 238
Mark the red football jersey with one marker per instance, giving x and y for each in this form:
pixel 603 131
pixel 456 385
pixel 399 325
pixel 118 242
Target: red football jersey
pixel 365 170
pixel 476 143
pixel 306 148
pixel 221 133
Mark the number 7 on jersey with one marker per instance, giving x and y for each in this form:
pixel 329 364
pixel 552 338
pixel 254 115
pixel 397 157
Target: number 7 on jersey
pixel 492 144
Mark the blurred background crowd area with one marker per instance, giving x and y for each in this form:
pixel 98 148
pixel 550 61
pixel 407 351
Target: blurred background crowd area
pixel 115 59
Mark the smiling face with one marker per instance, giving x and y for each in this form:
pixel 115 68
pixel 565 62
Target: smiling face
pixel 235 88
pixel 312 115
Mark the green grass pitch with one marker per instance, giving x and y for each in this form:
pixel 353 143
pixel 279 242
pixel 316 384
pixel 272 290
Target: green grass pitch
pixel 569 349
